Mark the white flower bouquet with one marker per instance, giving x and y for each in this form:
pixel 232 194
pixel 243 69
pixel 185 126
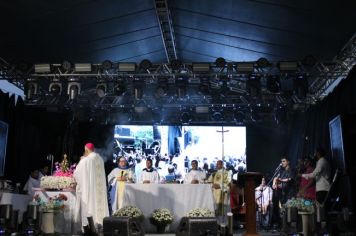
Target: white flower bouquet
pixel 200 212
pixel 161 217
pixel 57 182
pixel 129 211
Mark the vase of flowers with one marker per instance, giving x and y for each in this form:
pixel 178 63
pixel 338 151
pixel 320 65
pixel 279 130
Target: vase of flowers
pixel 129 211
pixel 200 212
pixel 305 208
pixel 161 218
pixel 48 207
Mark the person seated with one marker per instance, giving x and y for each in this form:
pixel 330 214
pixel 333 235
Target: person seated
pixel 263 197
pixel 32 182
pixel 117 179
pixel 195 176
pixel 149 174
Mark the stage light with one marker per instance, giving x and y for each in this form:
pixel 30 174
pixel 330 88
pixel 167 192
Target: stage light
pixel 217 116
pixel 273 83
pixel 204 85
pixel 73 90
pixel 263 62
pixel 42 68
pixel 145 64
pixel 220 62
pixel 119 87
pixel 185 118
pixel 66 65
pixel 127 67
pixel 138 88
pixel 55 88
pixel 162 87
pixel 201 67
pixel 201 109
pixel 31 90
pixel 253 86
pixel 101 89
pixel 106 65
pixel 301 86
pixel 181 83
pixel 82 67
pixel 288 66
pixel 244 67
pixel 239 117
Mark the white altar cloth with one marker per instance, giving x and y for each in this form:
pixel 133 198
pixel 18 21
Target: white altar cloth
pixel 178 198
pixel 18 201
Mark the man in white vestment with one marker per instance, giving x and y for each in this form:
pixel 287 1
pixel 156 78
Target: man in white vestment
pixel 32 182
pixel 220 180
pixel 149 174
pixel 91 188
pixel 194 176
pixel 117 179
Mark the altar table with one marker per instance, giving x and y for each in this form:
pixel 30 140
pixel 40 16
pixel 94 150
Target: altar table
pixel 178 198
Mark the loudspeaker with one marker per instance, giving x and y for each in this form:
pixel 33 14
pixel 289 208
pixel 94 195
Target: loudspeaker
pixel 197 226
pixel 123 226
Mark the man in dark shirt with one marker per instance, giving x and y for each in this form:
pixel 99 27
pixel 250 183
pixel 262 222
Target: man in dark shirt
pixel 284 182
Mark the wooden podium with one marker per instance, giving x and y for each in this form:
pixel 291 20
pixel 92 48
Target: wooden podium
pixel 250 203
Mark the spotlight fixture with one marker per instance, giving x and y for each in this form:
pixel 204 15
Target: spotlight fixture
pixel 31 89
pixel 73 90
pixel 239 117
pixel 217 116
pixel 176 64
pixel 288 66
pixel 106 65
pixel 66 65
pixel 263 62
pixel 42 68
pixel 220 62
pixel 162 87
pixel 201 67
pixel 301 86
pixel 185 118
pixel 273 83
pixel 82 67
pixel 119 87
pixel 181 84
pixel 55 88
pixel 101 89
pixel 253 86
pixel 244 67
pixel 145 64
pixel 127 67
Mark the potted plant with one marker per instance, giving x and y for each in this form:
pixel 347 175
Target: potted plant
pixel 161 218
pixel 200 212
pixel 129 211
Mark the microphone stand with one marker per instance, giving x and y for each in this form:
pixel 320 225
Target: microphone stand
pixel 276 172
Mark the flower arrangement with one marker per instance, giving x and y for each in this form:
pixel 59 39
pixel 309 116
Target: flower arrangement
pixel 129 211
pixel 200 212
pixel 161 217
pixel 55 203
pixel 64 169
pixel 305 205
pixel 62 177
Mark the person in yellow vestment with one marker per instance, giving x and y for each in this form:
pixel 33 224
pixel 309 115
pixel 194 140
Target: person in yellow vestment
pixel 220 181
pixel 117 179
pixel 91 191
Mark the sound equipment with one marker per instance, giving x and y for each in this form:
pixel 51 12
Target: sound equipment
pixel 123 226
pixel 197 226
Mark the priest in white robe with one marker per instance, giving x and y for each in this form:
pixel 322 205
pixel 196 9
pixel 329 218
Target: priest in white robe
pixel 195 176
pixel 117 179
pixel 149 175
pixel 91 190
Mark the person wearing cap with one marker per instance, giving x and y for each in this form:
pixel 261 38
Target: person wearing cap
pixel 194 176
pixel 91 191
pixel 149 174
pixel 117 179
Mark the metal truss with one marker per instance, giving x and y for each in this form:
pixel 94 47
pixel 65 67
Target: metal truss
pixel 165 24
pixel 327 75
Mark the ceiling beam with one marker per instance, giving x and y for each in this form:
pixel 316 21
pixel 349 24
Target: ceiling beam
pixel 165 24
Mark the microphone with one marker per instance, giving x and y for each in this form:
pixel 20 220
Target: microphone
pixel 122 173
